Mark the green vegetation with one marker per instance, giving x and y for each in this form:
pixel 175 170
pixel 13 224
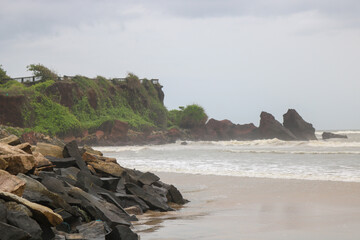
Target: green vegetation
pixel 73 105
pixel 191 116
pixel 3 74
pixel 40 70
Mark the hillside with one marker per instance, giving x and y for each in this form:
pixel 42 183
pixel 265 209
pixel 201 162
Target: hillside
pixel 72 105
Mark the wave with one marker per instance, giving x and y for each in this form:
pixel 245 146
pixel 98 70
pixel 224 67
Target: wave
pixel 254 174
pixel 291 152
pixel 340 132
pixel 277 142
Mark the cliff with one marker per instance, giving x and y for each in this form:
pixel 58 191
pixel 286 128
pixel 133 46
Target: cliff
pixel 80 106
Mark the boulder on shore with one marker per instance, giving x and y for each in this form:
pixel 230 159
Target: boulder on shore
pixel 17 160
pixel 271 128
pixel 328 135
pixel 10 183
pixel 298 126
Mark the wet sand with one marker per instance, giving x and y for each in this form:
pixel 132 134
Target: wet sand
pixel 225 207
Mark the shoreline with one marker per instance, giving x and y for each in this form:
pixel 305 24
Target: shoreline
pixel 228 207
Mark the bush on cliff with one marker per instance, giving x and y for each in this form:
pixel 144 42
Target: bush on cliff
pixel 40 70
pixel 3 75
pixel 191 116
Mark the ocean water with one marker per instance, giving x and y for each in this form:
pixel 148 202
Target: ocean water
pixel 333 159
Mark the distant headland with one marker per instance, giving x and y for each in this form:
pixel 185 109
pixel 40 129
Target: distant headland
pixel 120 111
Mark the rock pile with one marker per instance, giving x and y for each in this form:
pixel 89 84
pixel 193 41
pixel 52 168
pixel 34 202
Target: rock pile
pixel 53 192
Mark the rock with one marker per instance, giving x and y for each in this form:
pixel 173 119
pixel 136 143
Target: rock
pixel 134 210
pixel 3 164
pixel 3 212
pixel 92 170
pixel 115 130
pixel 10 183
pixel 113 169
pixel 26 147
pixel 71 150
pixel 9 232
pixel 41 160
pixel 155 202
pixel 38 193
pixel 47 149
pixel 184 143
pixel 41 213
pixel 18 161
pixel 156 193
pixel 297 125
pixel 148 178
pixel 58 186
pixel 328 135
pixel 30 137
pixel 226 130
pixel 91 151
pixel 98 208
pixel 94 230
pixel 270 128
pixel 174 133
pixel 11 140
pixel 175 195
pixel 62 162
pixel 110 183
pixel 17 207
pixel 88 157
pixel 24 222
pixel 122 232
pixel 127 200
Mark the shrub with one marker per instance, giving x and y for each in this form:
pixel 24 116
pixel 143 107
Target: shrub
pixel 40 70
pixel 3 75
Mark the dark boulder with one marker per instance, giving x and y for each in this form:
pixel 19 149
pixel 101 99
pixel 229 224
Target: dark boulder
pixel 155 202
pixel 328 135
pixel 9 232
pixel 148 178
pixel 72 150
pixel 62 162
pixel 175 195
pixel 3 212
pixel 98 208
pixel 95 230
pixel 122 233
pixel 270 128
pixel 24 222
pixel 298 126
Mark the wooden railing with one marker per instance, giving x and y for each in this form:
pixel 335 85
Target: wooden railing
pixel 39 78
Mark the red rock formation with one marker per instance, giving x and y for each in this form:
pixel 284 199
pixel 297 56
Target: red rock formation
pixel 271 128
pixel 298 126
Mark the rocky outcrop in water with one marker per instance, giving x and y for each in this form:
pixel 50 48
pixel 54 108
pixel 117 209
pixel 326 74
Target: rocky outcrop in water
pixel 74 194
pixel 271 128
pixel 328 135
pixel 298 126
pixel 226 130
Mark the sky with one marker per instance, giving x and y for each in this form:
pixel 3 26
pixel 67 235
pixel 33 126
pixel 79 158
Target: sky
pixel 235 58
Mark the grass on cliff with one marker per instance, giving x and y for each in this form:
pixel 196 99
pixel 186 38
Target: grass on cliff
pixel 94 101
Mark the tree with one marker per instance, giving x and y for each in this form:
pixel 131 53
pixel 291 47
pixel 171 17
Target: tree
pixel 3 74
pixel 193 116
pixel 40 70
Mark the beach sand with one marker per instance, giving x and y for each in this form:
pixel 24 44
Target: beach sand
pixel 224 207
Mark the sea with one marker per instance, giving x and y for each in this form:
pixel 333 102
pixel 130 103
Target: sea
pixel 331 160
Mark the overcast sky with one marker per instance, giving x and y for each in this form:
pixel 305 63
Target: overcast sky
pixel 236 58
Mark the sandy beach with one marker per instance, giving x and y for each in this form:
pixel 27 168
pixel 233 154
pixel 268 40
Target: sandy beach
pixel 225 207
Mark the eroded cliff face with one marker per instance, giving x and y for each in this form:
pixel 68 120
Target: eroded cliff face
pixel 70 107
pixel 11 110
